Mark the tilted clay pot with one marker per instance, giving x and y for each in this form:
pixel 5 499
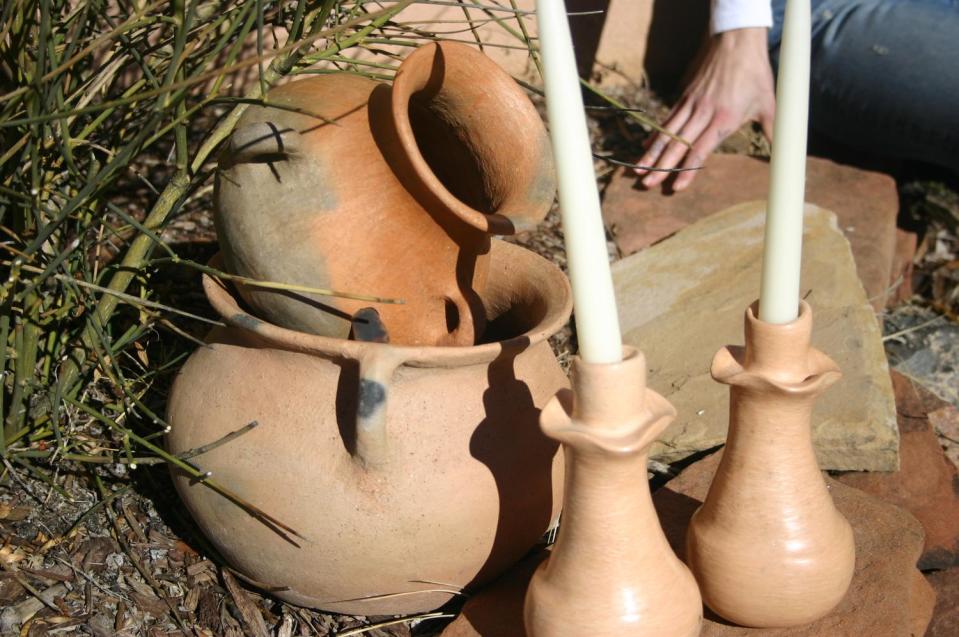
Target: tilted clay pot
pixel 348 184
pixel 768 546
pixel 407 470
pixel 612 572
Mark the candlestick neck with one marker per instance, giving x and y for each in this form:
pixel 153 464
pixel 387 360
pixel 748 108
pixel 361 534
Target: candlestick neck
pixel 609 407
pixel 780 351
pixel 777 359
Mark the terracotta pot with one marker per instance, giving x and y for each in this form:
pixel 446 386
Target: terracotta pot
pixel 768 546
pixel 349 184
pixel 611 572
pixel 411 472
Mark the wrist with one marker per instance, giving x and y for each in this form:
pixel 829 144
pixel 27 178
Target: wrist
pixel 747 37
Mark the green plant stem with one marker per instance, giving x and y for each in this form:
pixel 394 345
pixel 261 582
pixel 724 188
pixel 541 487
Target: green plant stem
pixel 4 337
pixel 26 339
pixel 178 187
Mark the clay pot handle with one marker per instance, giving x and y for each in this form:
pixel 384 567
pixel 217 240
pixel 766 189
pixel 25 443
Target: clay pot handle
pixel 376 376
pixel 261 141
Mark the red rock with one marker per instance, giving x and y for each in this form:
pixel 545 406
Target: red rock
pixel 945 618
pixel 888 597
pixel 865 202
pixel 927 484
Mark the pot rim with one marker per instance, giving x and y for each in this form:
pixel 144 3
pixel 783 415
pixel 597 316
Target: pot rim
pixel 553 287
pixel 405 85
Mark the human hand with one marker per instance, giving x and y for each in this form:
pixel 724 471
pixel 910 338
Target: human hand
pixel 732 84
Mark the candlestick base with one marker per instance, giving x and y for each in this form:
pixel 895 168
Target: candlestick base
pixel 768 546
pixel 611 571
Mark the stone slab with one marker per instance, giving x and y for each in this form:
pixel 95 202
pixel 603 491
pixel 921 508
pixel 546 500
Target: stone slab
pixel 927 484
pixel 888 596
pixel 866 203
pixel 683 298
pixel 945 617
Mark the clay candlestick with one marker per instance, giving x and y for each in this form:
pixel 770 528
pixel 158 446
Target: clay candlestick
pixel 768 546
pixel 611 571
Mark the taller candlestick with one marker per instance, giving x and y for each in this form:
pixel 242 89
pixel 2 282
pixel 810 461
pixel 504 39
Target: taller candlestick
pixel 597 323
pixel 782 252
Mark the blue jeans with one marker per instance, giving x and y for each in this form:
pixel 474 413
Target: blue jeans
pixel 884 76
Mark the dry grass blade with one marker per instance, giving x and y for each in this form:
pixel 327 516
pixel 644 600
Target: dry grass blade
pixel 275 285
pixel 454 592
pixel 233 435
pixel 393 622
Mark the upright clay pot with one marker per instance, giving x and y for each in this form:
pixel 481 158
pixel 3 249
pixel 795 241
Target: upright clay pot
pixel 349 184
pixel 768 546
pixel 409 472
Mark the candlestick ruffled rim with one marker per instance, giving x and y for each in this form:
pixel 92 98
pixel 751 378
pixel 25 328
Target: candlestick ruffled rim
pixel 777 358
pixel 609 410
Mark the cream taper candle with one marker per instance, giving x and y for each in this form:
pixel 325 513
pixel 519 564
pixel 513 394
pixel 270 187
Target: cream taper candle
pixel 597 323
pixel 782 251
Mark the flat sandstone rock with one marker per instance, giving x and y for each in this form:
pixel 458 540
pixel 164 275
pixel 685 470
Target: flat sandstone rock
pixel 682 299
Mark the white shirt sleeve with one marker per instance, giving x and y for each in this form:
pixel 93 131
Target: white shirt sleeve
pixel 726 15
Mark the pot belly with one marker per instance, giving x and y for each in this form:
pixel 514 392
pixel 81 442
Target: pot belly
pixel 469 486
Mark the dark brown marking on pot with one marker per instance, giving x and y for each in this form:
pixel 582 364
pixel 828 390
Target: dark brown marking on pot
pixel 372 397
